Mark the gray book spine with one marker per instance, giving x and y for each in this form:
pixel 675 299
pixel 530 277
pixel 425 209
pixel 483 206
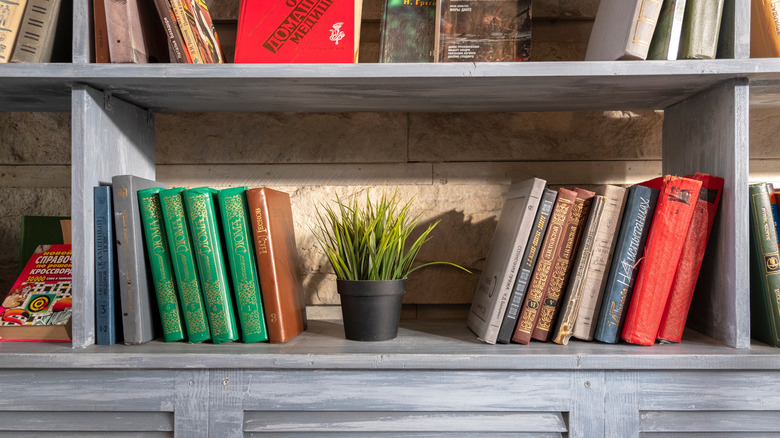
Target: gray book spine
pixel 601 260
pixel 139 307
pixel 623 29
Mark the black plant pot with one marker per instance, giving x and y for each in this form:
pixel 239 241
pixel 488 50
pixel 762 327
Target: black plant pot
pixel 371 309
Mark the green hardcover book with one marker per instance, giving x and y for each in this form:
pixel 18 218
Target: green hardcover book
pixel 204 229
pixel 408 30
pixel 701 29
pixel 38 230
pixel 183 260
pixel 243 269
pixel 160 264
pixel 764 268
pixel 666 37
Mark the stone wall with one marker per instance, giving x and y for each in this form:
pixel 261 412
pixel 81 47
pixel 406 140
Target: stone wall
pixel 456 167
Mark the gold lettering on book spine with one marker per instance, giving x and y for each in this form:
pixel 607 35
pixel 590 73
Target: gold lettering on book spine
pixel 212 291
pixel 246 288
pixel 643 31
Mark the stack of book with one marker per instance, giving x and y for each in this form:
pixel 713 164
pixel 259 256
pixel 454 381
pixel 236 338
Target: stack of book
pixel 604 264
pixel 660 29
pixel 198 264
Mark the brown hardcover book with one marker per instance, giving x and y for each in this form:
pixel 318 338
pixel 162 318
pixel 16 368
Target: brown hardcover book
pixel 764 28
pixel 135 34
pixel 11 13
pixel 551 302
pixel 176 44
pixel 102 54
pixel 270 213
pixel 540 280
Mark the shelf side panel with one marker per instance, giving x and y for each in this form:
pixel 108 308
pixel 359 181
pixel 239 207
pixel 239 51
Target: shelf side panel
pixel 110 137
pixel 82 31
pixel 709 133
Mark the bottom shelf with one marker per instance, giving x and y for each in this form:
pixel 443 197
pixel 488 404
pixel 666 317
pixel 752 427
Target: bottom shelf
pixel 433 344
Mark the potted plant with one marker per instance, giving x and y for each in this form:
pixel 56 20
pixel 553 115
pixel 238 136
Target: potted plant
pixel 371 253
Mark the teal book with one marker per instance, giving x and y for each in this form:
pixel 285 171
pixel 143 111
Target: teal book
pixel 243 267
pixel 210 259
pixel 160 264
pixel 183 259
pixel 764 268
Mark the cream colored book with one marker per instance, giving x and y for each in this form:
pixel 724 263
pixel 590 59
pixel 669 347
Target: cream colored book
pixel 623 29
pixel 11 12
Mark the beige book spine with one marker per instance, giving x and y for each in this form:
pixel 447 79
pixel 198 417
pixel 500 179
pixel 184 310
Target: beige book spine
pixel 11 12
pixel 644 26
pixel 186 32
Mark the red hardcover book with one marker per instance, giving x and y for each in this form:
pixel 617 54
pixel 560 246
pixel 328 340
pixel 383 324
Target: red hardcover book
pixel 298 31
pixel 270 214
pixel 665 240
pixel 551 301
pixel 552 245
pixel 679 303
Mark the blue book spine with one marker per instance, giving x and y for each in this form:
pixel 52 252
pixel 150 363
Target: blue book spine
pixel 106 310
pixel 629 248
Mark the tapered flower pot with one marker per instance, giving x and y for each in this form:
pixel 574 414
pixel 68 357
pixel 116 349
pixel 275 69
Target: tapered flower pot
pixel 371 309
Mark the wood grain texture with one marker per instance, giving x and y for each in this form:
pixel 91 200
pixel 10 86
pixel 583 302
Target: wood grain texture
pixel 192 403
pixel 709 133
pixel 93 421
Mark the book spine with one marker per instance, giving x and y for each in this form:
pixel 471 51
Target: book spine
pixel 184 269
pixel 764 28
pixel 36 34
pixel 701 28
pixel 10 22
pixel 679 303
pixel 775 213
pixel 408 31
pixel 102 52
pixel 551 303
pixel 666 38
pixel 551 246
pixel 274 239
pixel 601 259
pixel 125 33
pixel 202 216
pixel 106 309
pixel 671 222
pixel 526 268
pixel 171 27
pixel 564 327
pixel 764 267
pixel 643 28
pixel 206 30
pixel 160 263
pixel 241 256
pixel 629 248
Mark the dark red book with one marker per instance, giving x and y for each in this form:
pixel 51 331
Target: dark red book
pixel 551 247
pixel 671 221
pixel 551 302
pixel 679 303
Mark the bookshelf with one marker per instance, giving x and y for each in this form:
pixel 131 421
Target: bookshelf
pixel 435 377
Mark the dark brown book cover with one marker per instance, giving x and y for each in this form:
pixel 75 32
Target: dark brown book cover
pixel 175 40
pixel 270 213
pixel 540 280
pixel 572 232
pixel 102 54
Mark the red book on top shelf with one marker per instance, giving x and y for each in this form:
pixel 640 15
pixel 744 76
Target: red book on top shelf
pixel 664 246
pixel 679 303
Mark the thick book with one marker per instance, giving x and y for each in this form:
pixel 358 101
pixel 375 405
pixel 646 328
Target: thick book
pixel 570 305
pixel 36 231
pixel 540 280
pixel 135 34
pixel 38 306
pixel 140 322
pixel 666 38
pixel 764 28
pixel 764 268
pixel 600 262
pixel 701 29
pixel 273 231
pixel 551 300
pixel 176 45
pixel 494 290
pixel 623 29
pixel 523 276
pixel 108 317
pixel 160 263
pixel 11 13
pixel 679 302
pixel 671 221
pixel 45 34
pixel 100 26
pixel 482 31
pixel 210 257
pixel 194 16
pixel 185 271
pixel 243 267
pixel 629 249
pixel 408 31
pixel 298 31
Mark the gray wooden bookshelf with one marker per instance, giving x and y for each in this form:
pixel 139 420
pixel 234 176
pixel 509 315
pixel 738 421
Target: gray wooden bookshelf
pixel 436 378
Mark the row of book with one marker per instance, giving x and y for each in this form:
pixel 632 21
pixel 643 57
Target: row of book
pixel 35 30
pixel 604 264
pixel 765 263
pixel 200 264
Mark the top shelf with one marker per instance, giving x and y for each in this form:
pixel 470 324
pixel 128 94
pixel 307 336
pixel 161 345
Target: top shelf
pixel 452 87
